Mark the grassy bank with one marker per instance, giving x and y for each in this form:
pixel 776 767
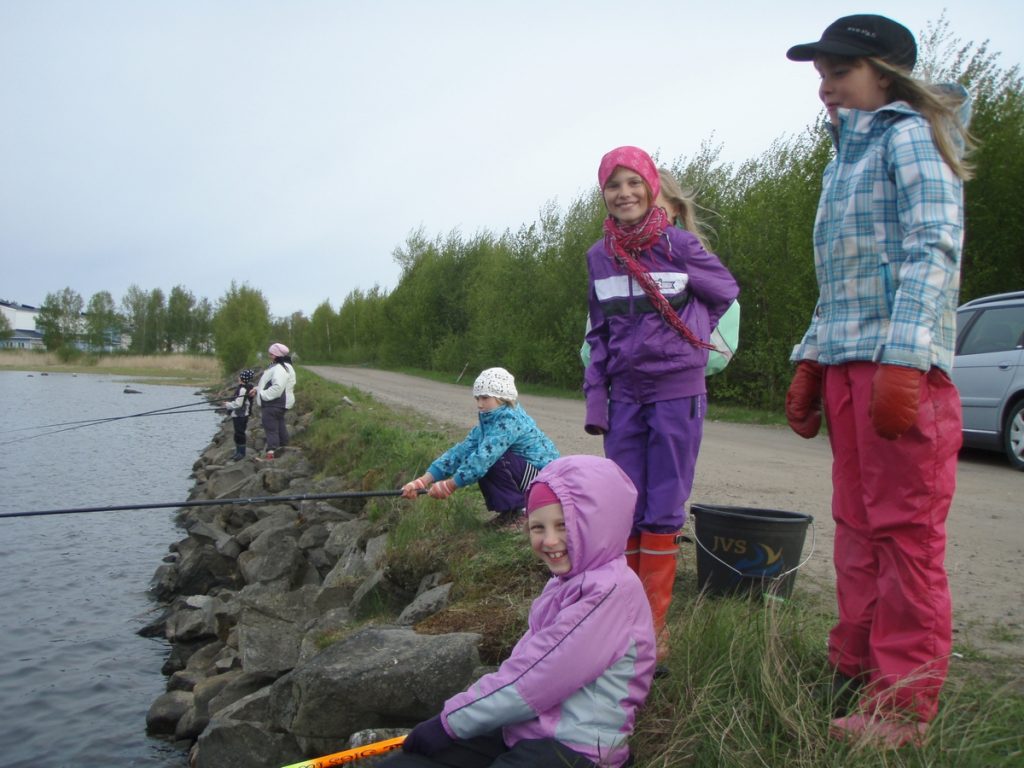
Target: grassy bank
pixel 186 370
pixel 746 674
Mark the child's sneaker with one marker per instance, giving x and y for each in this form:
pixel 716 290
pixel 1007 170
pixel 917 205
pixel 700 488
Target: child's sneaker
pixel 880 732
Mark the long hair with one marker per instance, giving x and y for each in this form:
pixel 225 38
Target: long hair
pixel 685 203
pixel 940 107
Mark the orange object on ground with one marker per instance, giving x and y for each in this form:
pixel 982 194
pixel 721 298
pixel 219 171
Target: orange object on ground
pixel 658 573
pixel 351 755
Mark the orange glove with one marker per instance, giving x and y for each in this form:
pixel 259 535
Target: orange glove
pixel 442 489
pixel 411 490
pixel 895 392
pixel 803 400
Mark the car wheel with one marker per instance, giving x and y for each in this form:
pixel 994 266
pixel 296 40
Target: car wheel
pixel 1013 435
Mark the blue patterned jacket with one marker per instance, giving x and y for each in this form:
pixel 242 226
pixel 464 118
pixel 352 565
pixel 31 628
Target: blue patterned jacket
pixel 503 429
pixel 887 241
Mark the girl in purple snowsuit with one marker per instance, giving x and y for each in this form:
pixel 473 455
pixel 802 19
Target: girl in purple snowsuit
pixel 655 296
pixel 569 692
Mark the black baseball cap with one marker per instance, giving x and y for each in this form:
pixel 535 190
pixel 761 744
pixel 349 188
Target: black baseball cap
pixel 865 34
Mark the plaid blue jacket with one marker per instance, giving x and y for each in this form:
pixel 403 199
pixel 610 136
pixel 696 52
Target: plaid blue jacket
pixel 887 241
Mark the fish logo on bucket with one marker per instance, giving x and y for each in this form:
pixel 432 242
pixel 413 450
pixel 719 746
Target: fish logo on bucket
pixel 766 562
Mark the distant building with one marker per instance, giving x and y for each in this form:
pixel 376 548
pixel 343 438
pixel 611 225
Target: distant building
pixel 22 319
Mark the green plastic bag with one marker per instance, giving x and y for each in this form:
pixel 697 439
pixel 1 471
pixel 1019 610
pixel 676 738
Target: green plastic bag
pixel 725 337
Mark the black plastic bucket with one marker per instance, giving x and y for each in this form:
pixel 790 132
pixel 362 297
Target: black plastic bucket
pixel 743 550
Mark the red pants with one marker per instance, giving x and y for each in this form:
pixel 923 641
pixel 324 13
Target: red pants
pixel 890 502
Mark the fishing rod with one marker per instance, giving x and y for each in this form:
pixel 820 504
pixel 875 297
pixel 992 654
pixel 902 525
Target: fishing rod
pixel 351 755
pixel 212 502
pixel 96 422
pixel 193 404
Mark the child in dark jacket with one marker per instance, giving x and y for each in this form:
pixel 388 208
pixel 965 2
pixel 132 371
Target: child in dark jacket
pixel 569 692
pixel 239 408
pixel 656 295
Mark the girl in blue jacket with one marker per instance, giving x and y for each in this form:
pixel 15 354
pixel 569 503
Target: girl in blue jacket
pixel 655 296
pixel 502 454
pixel 569 692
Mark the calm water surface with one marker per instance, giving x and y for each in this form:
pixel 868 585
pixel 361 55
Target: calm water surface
pixel 75 678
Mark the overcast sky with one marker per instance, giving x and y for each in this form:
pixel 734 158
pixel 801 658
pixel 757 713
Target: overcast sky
pixel 293 145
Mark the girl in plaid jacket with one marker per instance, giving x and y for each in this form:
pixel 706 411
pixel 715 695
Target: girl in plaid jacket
pixel 876 357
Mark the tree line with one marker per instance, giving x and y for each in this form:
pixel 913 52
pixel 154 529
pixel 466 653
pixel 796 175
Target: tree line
pixel 518 298
pixel 145 322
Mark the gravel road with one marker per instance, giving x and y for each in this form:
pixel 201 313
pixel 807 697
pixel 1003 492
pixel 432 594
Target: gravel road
pixel 772 468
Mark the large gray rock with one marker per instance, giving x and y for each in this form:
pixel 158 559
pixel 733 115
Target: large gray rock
pixel 345 539
pixel 378 676
pixel 271 627
pixel 239 687
pixel 236 738
pixel 276 558
pixel 202 568
pixel 426 604
pixel 317 636
pixel 277 519
pixel 167 710
pixel 225 482
pixel 191 619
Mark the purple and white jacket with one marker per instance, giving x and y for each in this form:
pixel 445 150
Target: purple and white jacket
pixel 635 356
pixel 585 664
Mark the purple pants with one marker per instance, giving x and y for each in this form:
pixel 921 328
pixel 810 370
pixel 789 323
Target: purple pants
pixel 656 445
pixel 504 485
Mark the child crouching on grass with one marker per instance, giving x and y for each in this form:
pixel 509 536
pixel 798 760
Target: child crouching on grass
pixel 502 454
pixel 569 693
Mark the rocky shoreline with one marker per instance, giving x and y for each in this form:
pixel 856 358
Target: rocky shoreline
pixel 271 660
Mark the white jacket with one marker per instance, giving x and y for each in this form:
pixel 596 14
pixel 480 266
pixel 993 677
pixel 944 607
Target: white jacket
pixel 277 386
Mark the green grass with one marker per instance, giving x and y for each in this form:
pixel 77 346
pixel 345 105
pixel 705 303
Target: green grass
pixel 744 673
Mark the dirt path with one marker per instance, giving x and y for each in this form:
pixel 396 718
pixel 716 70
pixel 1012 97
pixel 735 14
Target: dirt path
pixel 772 468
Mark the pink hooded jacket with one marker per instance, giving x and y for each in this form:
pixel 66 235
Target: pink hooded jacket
pixel 585 664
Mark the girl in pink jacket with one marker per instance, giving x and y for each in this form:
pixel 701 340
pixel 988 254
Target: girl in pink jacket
pixel 569 692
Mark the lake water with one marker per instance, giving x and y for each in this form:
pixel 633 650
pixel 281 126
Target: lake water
pixel 76 680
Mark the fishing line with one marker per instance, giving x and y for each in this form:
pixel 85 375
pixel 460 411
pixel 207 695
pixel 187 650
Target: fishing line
pixel 211 502
pixel 109 418
pixel 93 422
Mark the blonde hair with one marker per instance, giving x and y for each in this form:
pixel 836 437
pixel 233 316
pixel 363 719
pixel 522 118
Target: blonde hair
pixel 940 106
pixel 686 205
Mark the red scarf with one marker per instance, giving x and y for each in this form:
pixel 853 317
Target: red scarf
pixel 624 244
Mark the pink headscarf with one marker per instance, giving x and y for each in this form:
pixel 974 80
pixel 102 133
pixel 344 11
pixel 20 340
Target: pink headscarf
pixel 277 350
pixel 636 160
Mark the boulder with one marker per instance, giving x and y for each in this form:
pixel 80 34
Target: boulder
pixel 426 604
pixel 244 684
pixel 166 711
pixel 271 627
pixel 317 636
pixel 375 677
pixel 233 740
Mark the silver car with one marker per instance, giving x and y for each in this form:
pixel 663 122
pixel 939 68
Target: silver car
pixel 989 372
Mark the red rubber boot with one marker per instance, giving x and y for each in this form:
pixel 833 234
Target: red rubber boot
pixel 658 573
pixel 633 554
